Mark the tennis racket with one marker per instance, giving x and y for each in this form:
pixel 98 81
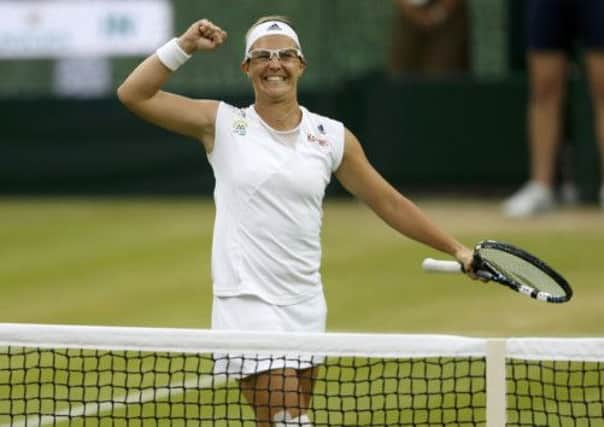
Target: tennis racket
pixel 510 266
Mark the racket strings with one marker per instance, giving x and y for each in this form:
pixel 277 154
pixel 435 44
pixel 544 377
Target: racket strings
pixel 522 271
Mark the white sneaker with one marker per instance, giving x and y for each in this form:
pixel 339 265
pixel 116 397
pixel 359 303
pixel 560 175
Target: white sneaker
pixel 532 199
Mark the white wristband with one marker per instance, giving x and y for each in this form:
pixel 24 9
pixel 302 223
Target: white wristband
pixel 172 55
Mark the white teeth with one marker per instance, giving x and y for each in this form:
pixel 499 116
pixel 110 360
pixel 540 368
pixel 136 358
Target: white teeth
pixel 274 78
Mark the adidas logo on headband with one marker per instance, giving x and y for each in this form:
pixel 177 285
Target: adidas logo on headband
pixel 269 28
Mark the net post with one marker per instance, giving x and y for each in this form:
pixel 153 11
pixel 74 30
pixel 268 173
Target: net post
pixel 496 384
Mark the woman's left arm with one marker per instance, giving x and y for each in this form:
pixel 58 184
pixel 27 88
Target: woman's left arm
pixel 361 179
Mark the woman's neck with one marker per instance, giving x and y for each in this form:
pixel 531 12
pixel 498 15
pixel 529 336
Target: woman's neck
pixel 280 115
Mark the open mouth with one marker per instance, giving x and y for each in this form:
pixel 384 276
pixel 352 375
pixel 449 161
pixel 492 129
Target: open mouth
pixel 275 78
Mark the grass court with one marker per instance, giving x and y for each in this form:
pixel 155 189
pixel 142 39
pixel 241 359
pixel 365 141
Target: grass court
pixel 145 262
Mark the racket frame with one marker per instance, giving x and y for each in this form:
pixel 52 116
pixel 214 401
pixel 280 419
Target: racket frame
pixel 484 268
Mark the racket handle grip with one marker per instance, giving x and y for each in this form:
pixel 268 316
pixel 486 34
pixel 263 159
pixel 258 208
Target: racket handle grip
pixel 441 266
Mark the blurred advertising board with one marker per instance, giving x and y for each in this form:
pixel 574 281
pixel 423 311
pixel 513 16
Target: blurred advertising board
pixel 82 28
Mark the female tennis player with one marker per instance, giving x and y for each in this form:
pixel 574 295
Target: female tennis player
pixel 271 161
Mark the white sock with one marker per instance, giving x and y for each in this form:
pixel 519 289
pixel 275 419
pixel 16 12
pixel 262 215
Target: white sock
pixel 283 419
pixel 302 420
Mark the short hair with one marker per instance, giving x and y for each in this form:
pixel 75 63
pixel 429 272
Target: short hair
pixel 263 19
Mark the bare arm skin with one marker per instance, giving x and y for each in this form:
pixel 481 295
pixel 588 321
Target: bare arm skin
pixel 141 91
pixel 360 178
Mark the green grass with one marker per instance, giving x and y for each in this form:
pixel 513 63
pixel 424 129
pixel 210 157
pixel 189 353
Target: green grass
pixel 145 262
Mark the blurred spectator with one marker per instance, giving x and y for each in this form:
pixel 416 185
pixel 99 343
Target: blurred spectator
pixel 430 37
pixel 553 27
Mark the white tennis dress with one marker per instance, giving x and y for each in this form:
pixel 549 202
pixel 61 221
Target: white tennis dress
pixel 269 191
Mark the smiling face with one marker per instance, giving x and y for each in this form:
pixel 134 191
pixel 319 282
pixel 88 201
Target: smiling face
pixel 277 77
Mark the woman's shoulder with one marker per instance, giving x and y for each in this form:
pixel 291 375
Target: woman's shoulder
pixel 229 111
pixel 225 107
pixel 324 123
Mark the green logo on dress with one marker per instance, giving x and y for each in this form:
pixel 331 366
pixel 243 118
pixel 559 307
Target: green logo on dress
pixel 240 127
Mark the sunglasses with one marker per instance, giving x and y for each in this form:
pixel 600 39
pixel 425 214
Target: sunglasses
pixel 263 56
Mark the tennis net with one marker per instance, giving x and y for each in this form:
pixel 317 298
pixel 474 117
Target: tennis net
pixel 115 376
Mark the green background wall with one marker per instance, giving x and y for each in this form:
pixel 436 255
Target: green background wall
pixel 342 39
pixel 466 133
pixel 415 133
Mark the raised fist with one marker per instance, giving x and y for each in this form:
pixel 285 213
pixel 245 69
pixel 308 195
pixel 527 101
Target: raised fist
pixel 202 35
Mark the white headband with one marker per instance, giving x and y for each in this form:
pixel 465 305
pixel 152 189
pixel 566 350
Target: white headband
pixel 270 28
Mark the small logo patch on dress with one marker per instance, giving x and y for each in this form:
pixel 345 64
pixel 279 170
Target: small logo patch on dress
pixel 240 127
pixel 321 141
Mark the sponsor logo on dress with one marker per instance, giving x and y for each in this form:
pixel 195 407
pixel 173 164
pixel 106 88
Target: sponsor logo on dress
pixel 313 138
pixel 240 127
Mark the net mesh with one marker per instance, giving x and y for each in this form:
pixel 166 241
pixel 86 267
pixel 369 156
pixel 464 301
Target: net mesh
pixel 91 376
pixel 555 393
pixel 129 388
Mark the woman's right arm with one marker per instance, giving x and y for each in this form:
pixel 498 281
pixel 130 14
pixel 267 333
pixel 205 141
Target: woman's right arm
pixel 141 93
